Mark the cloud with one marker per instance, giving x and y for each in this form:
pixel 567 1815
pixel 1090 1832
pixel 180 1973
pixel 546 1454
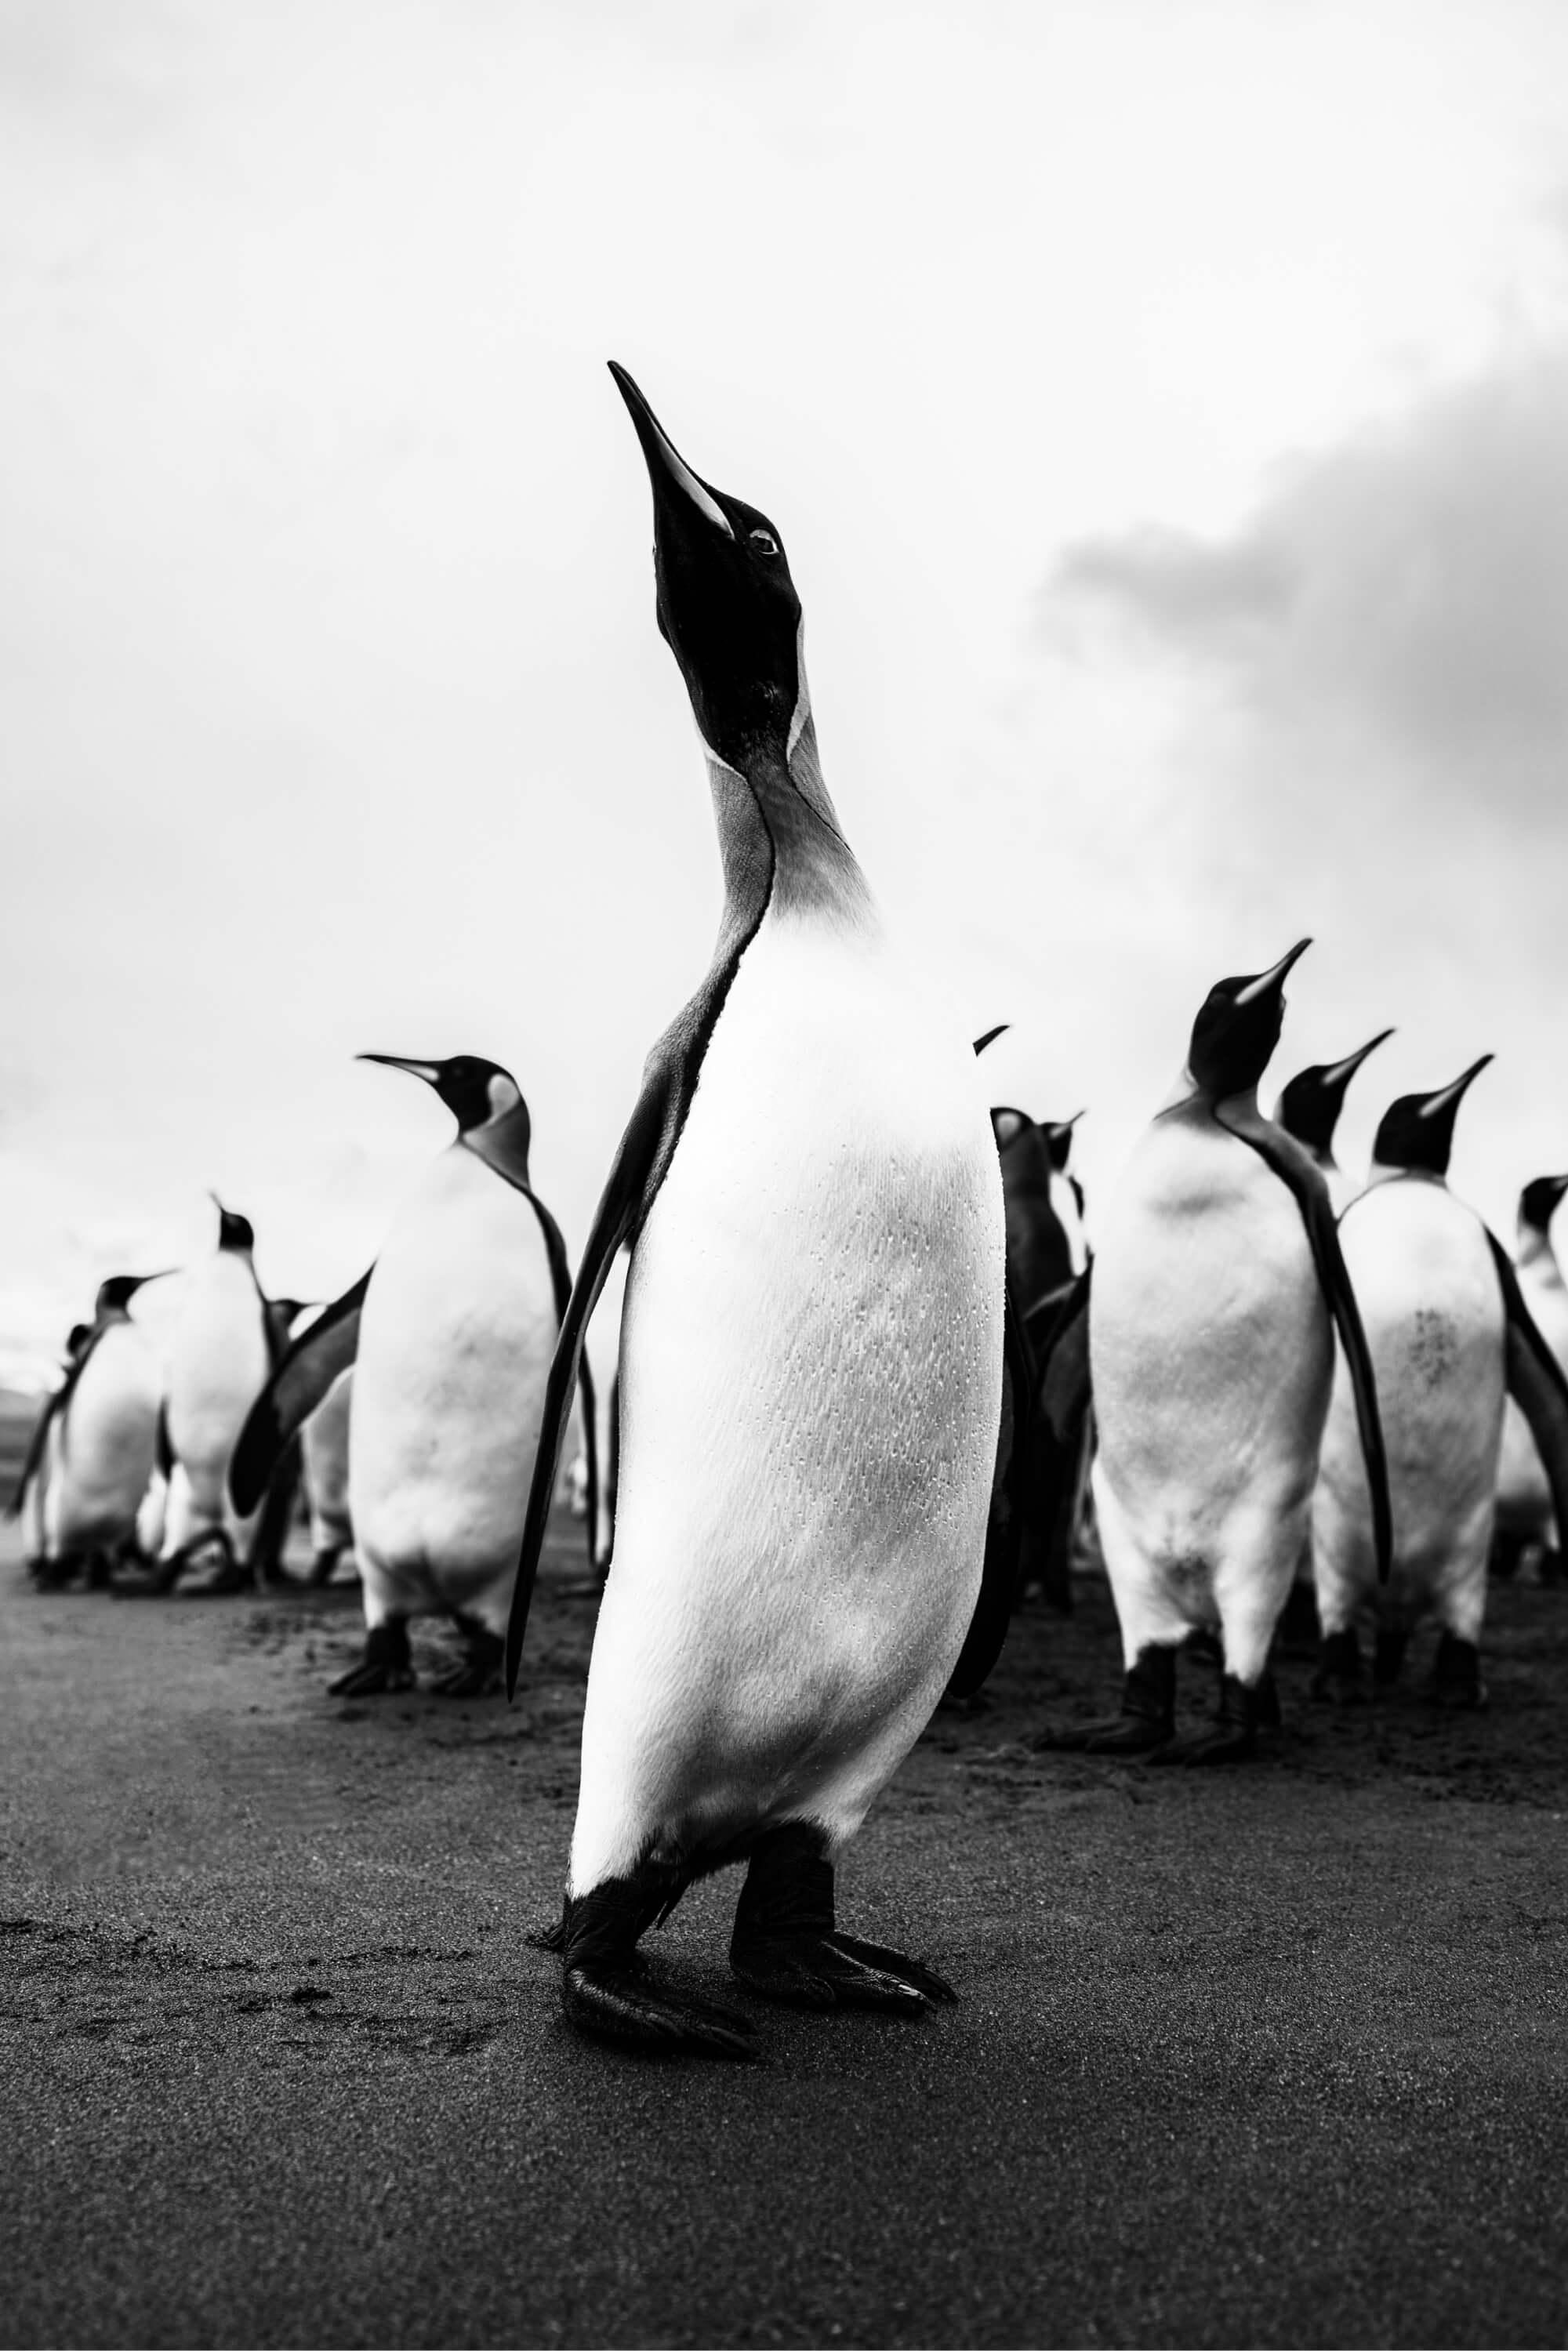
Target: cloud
pixel 1402 595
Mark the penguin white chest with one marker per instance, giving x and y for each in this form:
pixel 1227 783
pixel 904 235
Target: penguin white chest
pixel 811 1391
pixel 455 1339
pixel 1211 1351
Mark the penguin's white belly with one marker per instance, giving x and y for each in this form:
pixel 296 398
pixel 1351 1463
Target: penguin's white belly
pixel 1211 1356
pixel 107 1443
pixel 218 1365
pixel 810 1392
pixel 1432 1310
pixel 456 1340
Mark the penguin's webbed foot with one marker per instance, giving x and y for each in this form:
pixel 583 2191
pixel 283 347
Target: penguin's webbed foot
pixel 618 2000
pixel 786 1945
pixel 835 1971
pixel 1145 1722
pixel 1456 1674
pixel 478 1672
pixel 1233 1737
pixel 1338 1675
pixel 386 1667
pixel 320 1569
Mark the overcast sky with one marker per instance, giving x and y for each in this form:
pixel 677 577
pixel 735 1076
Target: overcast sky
pixel 1165 407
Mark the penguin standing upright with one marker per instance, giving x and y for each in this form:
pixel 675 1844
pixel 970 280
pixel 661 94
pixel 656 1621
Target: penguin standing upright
pixel 1310 1107
pixel 811 1364
pixel 450 1336
pixel 92 1451
pixel 1216 1288
pixel 220 1351
pixel 1524 1514
pixel 1449 1332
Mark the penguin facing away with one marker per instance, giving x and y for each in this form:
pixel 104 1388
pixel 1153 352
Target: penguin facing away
pixel 1449 1332
pixel 1216 1288
pixel 812 1364
pixel 450 1336
pixel 1524 1513
pixel 219 1354
pixel 1309 1109
pixel 91 1453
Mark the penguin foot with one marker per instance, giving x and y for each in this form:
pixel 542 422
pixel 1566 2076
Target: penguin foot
pixel 1456 1674
pixel 786 1945
pixel 324 1561
pixel 835 1971
pixel 1298 1631
pixel 1145 1722
pixel 480 1673
pixel 171 1569
pixel 386 1665
pixel 1234 1735
pixel 1338 1675
pixel 234 1575
pixel 1551 1569
pixel 1388 1656
pixel 620 2002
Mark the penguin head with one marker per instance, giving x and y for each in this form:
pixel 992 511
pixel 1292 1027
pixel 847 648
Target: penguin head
pixel 1239 1027
pixel 1539 1202
pixel 474 1089
pixel 1416 1134
pixel 726 605
pixel 234 1232
pixel 1310 1104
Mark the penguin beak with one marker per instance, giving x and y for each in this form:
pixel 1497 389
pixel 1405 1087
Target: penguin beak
pixel 1450 1095
pixel 991 1035
pixel 675 486
pixel 429 1070
pixel 1342 1073
pixel 1274 979
pixel 1058 1140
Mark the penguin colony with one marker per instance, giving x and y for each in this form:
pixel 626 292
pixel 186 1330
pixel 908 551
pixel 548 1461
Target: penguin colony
pixel 873 1382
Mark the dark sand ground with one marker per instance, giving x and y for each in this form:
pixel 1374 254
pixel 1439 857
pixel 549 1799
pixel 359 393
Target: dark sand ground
pixel 1279 2056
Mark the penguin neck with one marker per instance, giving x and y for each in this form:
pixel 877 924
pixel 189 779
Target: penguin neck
pixel 779 843
pixel 1380 1172
pixel 503 1141
pixel 1187 1095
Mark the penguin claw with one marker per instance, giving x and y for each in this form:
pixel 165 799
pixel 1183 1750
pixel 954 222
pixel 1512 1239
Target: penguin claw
pixel 372 1681
pixel 467 1681
pixel 1226 1743
pixel 1120 1734
pixel 619 2003
pixel 832 1970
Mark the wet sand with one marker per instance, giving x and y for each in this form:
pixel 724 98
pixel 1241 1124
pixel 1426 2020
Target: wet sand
pixel 1272 2055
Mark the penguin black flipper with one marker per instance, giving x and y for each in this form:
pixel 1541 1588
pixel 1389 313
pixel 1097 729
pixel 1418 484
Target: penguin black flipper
pixel 1536 1384
pixel 301 1380
pixel 1298 1174
pixel 1004 1527
pixel 32 1459
pixel 635 1177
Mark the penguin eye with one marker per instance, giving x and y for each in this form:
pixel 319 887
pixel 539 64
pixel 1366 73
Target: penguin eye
pixel 765 542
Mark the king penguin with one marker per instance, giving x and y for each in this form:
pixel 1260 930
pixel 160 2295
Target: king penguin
pixel 450 1336
pixel 1524 1514
pixel 219 1354
pixel 1310 1107
pixel 1449 1334
pixel 811 1364
pixel 91 1454
pixel 1215 1291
